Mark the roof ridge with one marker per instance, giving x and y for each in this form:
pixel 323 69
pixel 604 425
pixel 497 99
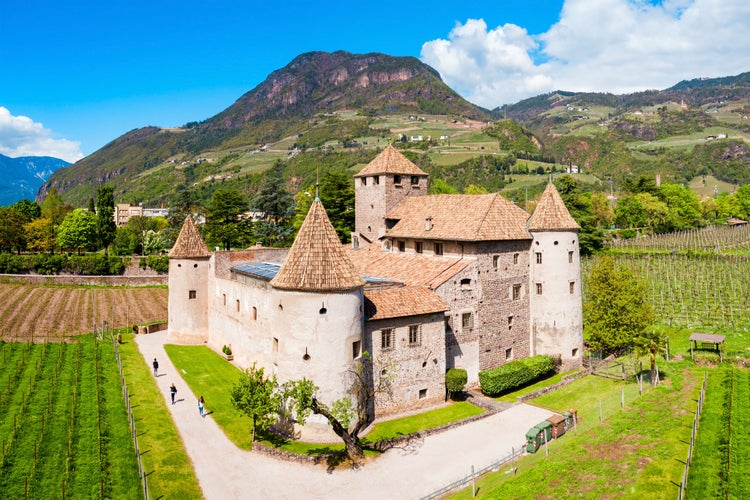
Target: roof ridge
pixel 189 243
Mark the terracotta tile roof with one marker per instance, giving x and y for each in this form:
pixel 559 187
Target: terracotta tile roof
pixel 189 243
pixel 412 269
pixel 390 161
pixel 551 214
pixel 317 262
pixel 402 301
pixel 459 217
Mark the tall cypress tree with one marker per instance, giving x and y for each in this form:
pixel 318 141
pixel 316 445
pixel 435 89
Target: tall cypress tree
pixel 106 229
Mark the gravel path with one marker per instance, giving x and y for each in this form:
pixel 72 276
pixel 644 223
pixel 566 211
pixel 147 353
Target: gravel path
pixel 226 472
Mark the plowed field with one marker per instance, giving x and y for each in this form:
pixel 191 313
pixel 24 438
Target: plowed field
pixel 38 312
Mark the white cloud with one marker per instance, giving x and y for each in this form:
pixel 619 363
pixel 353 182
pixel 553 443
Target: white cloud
pixel 597 45
pixel 22 136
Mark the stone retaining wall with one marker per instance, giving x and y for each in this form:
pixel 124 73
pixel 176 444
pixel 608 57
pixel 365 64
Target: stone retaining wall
pixel 80 280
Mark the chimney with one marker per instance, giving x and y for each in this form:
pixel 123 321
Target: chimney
pixel 428 223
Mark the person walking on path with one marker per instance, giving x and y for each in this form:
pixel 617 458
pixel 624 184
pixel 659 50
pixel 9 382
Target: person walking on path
pixel 201 408
pixel 156 367
pixel 172 391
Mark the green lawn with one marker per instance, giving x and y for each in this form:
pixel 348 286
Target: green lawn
pixel 208 374
pixel 512 397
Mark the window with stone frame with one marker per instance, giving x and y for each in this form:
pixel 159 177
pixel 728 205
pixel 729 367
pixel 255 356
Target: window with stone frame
pixel 192 294
pixel 356 349
pixel 414 180
pixel 438 249
pixel 495 260
pixel 397 179
pixel 538 288
pixel 516 292
pixel 515 258
pixel 572 287
pixel 415 335
pixel 509 353
pixel 467 321
pixel 539 257
pixel 387 339
pixel 570 257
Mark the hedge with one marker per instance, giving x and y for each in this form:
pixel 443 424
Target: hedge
pixel 515 374
pixel 42 263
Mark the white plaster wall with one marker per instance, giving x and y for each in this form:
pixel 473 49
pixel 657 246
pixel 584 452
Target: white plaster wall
pixel 556 314
pixel 466 356
pixel 295 319
pixel 188 318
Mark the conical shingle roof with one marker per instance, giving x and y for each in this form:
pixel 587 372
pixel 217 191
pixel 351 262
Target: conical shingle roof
pixel 189 243
pixel 317 262
pixel 390 161
pixel 551 214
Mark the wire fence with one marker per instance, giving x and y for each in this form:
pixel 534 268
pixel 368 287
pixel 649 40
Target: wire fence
pixel 516 451
pixel 131 419
pixel 701 398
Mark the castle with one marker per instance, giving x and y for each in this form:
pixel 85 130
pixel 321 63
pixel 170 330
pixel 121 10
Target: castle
pixel 430 282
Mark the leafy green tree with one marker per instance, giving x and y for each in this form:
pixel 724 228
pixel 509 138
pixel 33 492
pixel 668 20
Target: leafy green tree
pixel 12 236
pixel 615 309
pixel 184 203
pixel 683 205
pixel 349 415
pixel 337 196
pixel 590 237
pixel 255 395
pixel 642 184
pixel 53 207
pixel 40 235
pixel 277 206
pixel 224 226
pixel 439 186
pixel 742 199
pixel 474 189
pixel 29 209
pixel 655 213
pixel 106 229
pixel 78 231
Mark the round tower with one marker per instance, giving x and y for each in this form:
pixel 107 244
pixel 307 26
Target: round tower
pixel 555 281
pixel 319 318
pixel 189 266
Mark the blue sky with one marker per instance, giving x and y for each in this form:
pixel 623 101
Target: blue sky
pixel 78 74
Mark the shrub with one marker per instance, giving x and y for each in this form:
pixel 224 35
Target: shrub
pixel 226 350
pixel 158 263
pixel 514 374
pixel 455 380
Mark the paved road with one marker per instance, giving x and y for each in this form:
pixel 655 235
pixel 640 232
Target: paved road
pixel 226 472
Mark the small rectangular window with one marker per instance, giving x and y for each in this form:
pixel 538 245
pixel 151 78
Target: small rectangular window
pixel 422 393
pixel 510 320
pixel 570 257
pixel 224 298
pixel 572 287
pixel 539 257
pixel 538 288
pixel 466 284
pixel 275 345
pixel 237 304
pixel 495 259
pixel 401 246
pixel 397 179
pixel 415 335
pixel 516 292
pixel 509 353
pixel 356 349
pixel 515 258
pixel 414 180
pixel 418 247
pixel 376 179
pixel 192 294
pixel 386 339
pixel 364 181
pixel 467 320
pixel 438 249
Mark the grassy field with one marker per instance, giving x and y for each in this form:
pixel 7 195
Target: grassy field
pixel 637 452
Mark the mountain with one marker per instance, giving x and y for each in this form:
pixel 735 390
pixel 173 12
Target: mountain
pixel 23 176
pixel 304 94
